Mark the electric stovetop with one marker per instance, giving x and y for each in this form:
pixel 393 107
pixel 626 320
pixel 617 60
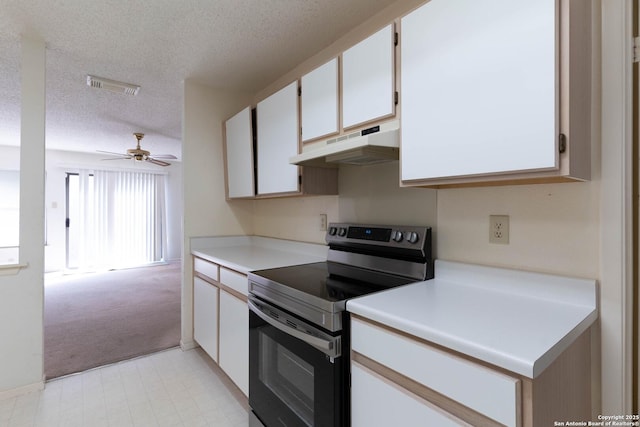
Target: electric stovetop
pixel 317 282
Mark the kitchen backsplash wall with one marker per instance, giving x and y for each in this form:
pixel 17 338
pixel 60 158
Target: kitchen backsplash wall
pixel 372 194
pixel 296 218
pixel 368 195
pixel 553 227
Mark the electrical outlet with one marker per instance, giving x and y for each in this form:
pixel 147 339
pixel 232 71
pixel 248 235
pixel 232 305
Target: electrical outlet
pixel 323 222
pixel 499 229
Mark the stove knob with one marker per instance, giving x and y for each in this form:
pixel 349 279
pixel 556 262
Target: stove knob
pixel 413 237
pixel 398 236
pixel 332 231
pixel 342 232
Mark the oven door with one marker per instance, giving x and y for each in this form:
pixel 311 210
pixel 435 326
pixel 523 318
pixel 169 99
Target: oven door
pixel 296 371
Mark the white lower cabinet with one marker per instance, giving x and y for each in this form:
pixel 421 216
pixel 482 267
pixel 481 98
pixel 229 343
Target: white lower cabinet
pixel 398 377
pixel 376 401
pixel 221 318
pixel 205 316
pixel 423 381
pixel 234 339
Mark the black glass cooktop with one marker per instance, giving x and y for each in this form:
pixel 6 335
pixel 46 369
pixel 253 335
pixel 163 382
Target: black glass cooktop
pixel 319 280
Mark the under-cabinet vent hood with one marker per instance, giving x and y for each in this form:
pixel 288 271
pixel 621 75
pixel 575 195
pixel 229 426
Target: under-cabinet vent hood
pixel 368 146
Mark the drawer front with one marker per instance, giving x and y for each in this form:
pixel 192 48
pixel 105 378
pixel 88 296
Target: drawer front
pixel 375 401
pixel 488 392
pixel 207 268
pixel 236 281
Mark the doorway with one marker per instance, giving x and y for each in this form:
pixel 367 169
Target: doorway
pixel 72 204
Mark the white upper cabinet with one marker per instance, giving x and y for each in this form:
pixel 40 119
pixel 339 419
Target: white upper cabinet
pixel 481 90
pixel 239 155
pixel 319 101
pixel 278 125
pixel 368 79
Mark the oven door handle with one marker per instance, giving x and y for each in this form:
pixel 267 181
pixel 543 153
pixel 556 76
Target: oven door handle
pixel 329 347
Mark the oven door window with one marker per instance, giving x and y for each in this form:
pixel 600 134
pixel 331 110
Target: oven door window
pixel 288 377
pixel 290 382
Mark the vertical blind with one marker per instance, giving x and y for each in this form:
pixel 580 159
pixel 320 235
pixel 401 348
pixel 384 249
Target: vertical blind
pixel 122 219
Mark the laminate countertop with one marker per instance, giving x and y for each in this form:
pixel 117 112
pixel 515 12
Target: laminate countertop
pixel 520 321
pixel 249 253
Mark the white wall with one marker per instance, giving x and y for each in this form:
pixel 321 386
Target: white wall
pixel 367 195
pixel 22 294
pixel 616 201
pixel 554 228
pixel 206 212
pixel 371 194
pixel 296 218
pixel 59 163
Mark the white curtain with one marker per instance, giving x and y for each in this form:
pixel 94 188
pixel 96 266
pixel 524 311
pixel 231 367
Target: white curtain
pixel 122 219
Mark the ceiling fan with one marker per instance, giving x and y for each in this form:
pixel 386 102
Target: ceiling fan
pixel 140 155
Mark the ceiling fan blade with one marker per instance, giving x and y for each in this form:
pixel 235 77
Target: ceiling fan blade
pixel 119 158
pixel 157 162
pixel 165 156
pixel 111 152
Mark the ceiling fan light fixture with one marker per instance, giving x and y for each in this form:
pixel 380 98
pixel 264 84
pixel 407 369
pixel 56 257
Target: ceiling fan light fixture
pixel 112 85
pixel 139 155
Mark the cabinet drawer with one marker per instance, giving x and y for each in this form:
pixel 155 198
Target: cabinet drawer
pixel 488 392
pixel 207 268
pixel 375 401
pixel 236 281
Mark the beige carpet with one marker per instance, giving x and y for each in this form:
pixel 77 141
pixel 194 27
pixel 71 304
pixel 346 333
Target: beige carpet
pixel 95 319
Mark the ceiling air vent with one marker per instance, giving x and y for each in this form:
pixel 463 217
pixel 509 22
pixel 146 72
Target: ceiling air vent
pixel 112 85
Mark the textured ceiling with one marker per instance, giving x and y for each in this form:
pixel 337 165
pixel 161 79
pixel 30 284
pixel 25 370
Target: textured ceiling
pixel 157 44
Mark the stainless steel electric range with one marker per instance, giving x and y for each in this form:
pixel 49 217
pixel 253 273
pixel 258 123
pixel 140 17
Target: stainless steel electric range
pixel 298 325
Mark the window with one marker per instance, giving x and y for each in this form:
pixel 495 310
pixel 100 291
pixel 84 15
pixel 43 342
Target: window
pixel 116 219
pixel 10 80
pixel 9 216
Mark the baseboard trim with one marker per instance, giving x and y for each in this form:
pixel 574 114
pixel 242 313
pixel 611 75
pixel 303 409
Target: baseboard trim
pixel 19 391
pixel 188 345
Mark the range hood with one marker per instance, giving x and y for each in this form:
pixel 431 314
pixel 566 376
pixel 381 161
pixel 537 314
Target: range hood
pixel 368 146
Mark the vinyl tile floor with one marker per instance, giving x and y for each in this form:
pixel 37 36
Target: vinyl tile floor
pixel 171 388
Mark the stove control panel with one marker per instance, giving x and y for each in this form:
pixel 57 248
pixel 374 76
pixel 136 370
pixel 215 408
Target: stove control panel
pixel 379 235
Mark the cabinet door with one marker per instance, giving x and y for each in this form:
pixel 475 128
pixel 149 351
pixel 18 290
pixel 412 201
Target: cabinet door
pixel 205 316
pixel 368 79
pixel 239 152
pixel 490 393
pixel 234 340
pixel 319 101
pixel 376 401
pixel 277 118
pixel 479 93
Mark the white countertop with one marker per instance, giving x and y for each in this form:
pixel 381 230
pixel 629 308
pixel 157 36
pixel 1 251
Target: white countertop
pixel 250 253
pixel 516 320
